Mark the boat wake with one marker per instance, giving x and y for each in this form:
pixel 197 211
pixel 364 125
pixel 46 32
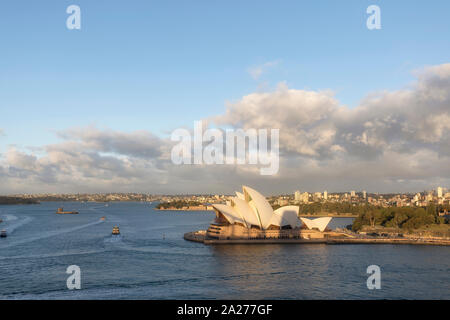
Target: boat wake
pixel 114 238
pixel 51 233
pixel 11 228
pixel 9 217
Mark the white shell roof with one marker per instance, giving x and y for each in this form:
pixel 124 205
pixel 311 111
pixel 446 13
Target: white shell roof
pixel 289 215
pixel 245 211
pixel 240 195
pixel 263 208
pixel 252 208
pixel 229 213
pixel 319 223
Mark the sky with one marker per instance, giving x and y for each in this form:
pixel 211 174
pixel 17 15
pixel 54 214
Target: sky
pixel 91 110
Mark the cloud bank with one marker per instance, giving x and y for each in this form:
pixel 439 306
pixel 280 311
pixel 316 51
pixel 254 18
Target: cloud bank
pixel 393 141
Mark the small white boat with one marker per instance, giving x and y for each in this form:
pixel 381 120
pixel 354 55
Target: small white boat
pixel 115 230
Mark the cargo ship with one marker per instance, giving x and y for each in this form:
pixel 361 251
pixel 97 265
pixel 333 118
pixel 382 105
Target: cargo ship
pixel 61 211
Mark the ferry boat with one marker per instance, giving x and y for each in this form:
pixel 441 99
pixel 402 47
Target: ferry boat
pixel 61 211
pixel 115 230
pixel 3 234
pixel 103 218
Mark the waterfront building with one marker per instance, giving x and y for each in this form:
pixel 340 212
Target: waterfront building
pixel 250 215
pixel 416 197
pixel 352 193
pixel 317 196
pixel 439 192
pixel 304 197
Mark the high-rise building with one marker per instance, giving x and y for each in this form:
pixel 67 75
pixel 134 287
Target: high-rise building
pixel 304 197
pixel 439 192
pixel 352 193
pixel 325 195
pixel 297 195
pixel 364 194
pixel 317 196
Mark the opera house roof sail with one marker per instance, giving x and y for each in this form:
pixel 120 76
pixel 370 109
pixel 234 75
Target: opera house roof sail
pixel 319 223
pixel 250 209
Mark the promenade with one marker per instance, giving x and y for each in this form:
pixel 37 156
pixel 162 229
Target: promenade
pixel 200 236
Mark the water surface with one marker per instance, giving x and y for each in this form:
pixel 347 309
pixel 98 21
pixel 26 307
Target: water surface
pixel 152 261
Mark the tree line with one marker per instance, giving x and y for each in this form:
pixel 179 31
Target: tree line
pixel 177 204
pixel 332 207
pixel 408 218
pixel 17 200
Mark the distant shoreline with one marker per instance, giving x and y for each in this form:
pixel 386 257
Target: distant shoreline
pixel 16 200
pixel 183 209
pixel 334 215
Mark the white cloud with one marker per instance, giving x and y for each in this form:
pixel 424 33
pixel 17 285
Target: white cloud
pixel 303 117
pixel 313 123
pixel 393 141
pixel 257 71
pixel 141 144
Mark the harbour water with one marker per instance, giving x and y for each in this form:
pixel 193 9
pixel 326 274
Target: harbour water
pixel 151 260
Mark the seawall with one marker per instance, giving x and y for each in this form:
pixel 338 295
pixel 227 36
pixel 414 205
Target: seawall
pixel 200 236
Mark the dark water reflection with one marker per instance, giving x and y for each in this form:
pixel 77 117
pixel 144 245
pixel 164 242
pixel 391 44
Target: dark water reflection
pixel 152 261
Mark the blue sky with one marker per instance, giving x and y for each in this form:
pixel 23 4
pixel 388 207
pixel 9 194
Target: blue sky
pixel 157 65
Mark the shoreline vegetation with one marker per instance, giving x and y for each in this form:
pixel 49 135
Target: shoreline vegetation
pixel 17 200
pixel 331 209
pixel 419 221
pixel 329 214
pixel 182 205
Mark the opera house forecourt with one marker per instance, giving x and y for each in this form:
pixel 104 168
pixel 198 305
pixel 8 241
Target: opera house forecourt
pixel 249 218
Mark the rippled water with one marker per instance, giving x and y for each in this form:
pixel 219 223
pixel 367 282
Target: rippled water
pixel 152 261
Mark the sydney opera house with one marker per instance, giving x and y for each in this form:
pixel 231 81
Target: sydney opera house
pixel 250 216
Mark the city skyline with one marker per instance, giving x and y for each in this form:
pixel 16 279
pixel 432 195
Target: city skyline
pixel 439 192
pixel 92 110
